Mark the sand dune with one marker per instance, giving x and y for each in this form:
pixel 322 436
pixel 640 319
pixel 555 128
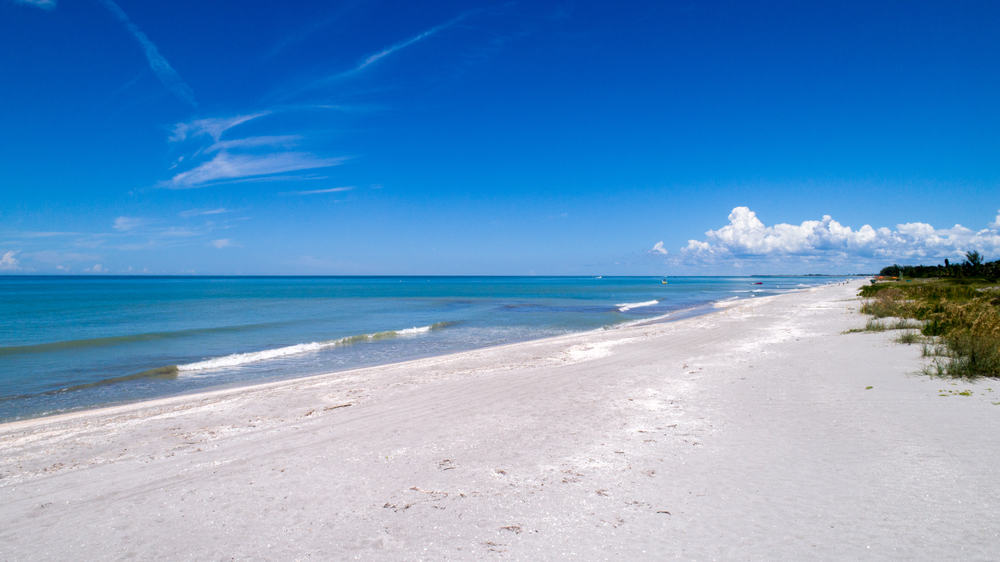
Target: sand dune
pixel 747 433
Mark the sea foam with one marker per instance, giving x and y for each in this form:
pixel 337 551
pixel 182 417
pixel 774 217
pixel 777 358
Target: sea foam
pixel 624 307
pixel 237 359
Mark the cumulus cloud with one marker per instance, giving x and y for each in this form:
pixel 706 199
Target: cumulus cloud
pixel 658 249
pixel 746 236
pixel 8 261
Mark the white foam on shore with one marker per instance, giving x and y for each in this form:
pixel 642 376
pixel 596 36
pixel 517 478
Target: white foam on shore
pixel 624 307
pixel 589 351
pixel 237 359
pixel 725 303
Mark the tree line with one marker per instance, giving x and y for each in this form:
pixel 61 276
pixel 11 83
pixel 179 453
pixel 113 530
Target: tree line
pixel 974 267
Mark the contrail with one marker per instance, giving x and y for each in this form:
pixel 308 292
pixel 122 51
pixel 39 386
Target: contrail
pixel 420 37
pixel 166 73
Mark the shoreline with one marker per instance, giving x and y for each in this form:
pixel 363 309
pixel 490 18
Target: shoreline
pixel 758 431
pixel 672 316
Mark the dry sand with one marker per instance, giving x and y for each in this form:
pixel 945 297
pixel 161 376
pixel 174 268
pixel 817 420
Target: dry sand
pixel 748 433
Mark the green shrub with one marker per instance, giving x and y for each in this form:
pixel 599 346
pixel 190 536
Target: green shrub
pixel 961 315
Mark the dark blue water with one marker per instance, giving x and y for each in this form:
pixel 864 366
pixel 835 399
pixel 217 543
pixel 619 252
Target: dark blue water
pixel 76 342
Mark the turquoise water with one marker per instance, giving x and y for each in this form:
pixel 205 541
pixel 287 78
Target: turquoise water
pixel 76 342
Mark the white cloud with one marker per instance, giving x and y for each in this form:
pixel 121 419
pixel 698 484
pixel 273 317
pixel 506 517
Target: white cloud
pixel 159 65
pixel 58 257
pixel 213 127
pixel 372 59
pixel 658 249
pixel 388 51
pixel 327 190
pixel 746 236
pixel 39 233
pixel 203 212
pixel 179 232
pixel 244 159
pixel 996 221
pixel 96 268
pixel 696 246
pixel 8 261
pixel 223 243
pixel 225 166
pixel 43 4
pixel 125 224
pixel 255 142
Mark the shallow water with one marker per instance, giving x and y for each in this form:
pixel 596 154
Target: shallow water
pixel 76 342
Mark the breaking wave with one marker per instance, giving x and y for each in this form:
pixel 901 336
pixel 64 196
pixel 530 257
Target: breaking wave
pixel 171 372
pixel 624 307
pixel 238 359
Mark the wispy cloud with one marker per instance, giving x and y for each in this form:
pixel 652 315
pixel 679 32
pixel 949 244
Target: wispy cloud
pixel 43 4
pixel 223 243
pixel 372 59
pixel 267 179
pixel 159 65
pixel 41 234
pixel 255 142
pixel 382 54
pixel 9 262
pixel 53 258
pixel 313 27
pixel 212 127
pixel 319 191
pixel 53 251
pixel 155 235
pixel 225 166
pixel 125 224
pixel 658 249
pixel 179 232
pixel 203 212
pixel 239 160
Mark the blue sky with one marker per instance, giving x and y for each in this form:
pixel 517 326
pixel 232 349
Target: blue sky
pixel 496 138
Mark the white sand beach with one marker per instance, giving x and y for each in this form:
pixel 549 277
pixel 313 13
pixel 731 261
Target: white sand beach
pixel 760 431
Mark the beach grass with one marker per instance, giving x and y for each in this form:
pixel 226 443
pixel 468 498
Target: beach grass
pixel 959 320
pixel 877 325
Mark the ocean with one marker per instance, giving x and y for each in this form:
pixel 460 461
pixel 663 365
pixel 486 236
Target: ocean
pixel 69 343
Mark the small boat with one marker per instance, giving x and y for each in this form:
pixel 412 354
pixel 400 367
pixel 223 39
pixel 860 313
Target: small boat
pixel 759 283
pixel 663 281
